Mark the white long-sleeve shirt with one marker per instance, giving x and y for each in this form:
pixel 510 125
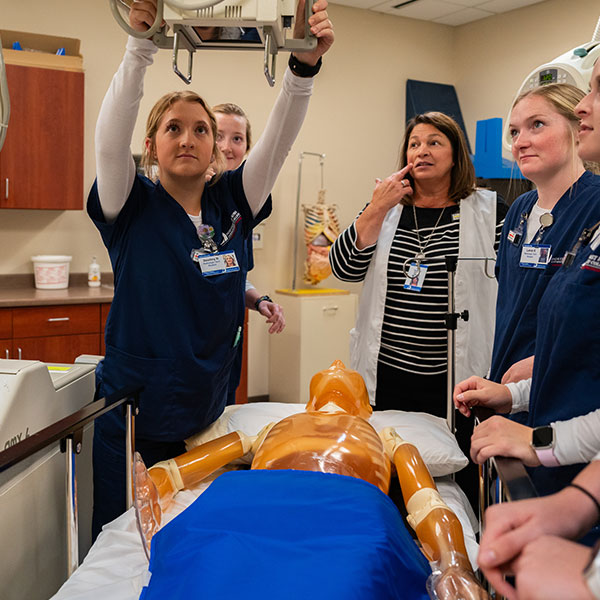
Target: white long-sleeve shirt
pixel 576 440
pixel 115 167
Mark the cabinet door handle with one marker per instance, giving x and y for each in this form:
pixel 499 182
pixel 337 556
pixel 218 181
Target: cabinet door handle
pixel 7 354
pixel 6 189
pixel 331 309
pixel 55 319
pixel 20 353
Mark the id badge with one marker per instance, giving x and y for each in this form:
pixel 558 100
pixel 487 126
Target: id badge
pixel 416 277
pixel 217 263
pixel 535 256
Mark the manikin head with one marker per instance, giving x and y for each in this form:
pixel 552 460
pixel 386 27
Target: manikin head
pixel 341 387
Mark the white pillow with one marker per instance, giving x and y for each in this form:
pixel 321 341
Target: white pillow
pixel 429 434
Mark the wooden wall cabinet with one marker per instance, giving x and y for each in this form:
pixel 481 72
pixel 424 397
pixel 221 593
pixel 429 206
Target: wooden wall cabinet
pixel 41 162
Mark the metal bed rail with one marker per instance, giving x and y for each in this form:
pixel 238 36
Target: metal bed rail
pixel 501 479
pixel 69 433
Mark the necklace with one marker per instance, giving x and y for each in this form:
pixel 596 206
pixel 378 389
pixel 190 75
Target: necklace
pixel 420 256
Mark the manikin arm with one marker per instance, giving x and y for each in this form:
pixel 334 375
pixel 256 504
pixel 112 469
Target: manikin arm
pixel 186 470
pixel 437 527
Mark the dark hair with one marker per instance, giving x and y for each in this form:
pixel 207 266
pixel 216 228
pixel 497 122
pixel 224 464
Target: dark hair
pixel 462 176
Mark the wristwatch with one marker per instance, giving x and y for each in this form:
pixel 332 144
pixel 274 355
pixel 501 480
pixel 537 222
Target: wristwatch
pixel 542 441
pixel 261 299
pixel 591 573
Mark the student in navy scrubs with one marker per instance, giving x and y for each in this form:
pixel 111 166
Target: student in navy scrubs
pixel 177 315
pixel 234 139
pixel 541 225
pixel 527 538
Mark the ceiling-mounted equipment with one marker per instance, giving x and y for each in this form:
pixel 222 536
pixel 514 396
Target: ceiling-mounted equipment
pixel 264 25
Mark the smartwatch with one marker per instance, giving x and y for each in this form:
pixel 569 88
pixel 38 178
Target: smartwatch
pixel 591 573
pixel 542 441
pixel 261 299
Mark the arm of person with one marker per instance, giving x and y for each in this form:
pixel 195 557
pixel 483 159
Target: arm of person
pixel 115 168
pixel 478 391
pixel 268 155
pixel 348 263
pixel 551 568
pixel 510 526
pixel 522 369
pixel 499 436
pixel 387 194
pixel 269 309
pixel 577 440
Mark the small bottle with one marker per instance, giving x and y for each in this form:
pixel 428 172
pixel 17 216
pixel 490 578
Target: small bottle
pixel 94 273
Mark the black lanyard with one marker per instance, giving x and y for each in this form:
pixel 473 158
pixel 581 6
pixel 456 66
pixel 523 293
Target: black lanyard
pixel 584 239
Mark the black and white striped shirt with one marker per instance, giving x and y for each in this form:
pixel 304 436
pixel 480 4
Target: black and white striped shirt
pixel 413 335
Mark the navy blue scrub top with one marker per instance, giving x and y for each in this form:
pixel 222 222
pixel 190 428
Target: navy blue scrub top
pixel 171 329
pixel 519 288
pixel 566 375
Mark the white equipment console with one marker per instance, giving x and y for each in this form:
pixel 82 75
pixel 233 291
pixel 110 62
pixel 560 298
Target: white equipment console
pixel 34 395
pixel 264 25
pixel 574 67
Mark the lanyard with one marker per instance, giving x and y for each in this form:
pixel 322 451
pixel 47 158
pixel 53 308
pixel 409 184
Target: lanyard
pixel 584 239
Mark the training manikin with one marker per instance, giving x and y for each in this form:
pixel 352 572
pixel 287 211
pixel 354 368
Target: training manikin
pixel 331 436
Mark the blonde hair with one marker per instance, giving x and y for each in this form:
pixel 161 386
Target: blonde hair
pixel 462 176
pixel 563 97
pixel 148 161
pixel 228 108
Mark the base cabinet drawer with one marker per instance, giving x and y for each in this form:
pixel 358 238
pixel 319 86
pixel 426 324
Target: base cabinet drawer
pixel 56 320
pixel 63 348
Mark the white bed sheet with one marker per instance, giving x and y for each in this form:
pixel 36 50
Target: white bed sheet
pixel 116 565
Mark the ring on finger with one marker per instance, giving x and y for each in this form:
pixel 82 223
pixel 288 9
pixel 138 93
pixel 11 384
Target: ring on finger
pixel 404 183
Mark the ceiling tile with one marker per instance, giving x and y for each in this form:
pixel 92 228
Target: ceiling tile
pixel 505 5
pixel 463 16
pixel 422 9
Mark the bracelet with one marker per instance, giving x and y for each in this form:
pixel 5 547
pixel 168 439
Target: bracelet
pixel 588 494
pixel 261 299
pixel 302 69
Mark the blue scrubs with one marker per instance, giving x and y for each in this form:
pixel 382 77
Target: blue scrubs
pixel 566 376
pixel 170 329
pixel 519 288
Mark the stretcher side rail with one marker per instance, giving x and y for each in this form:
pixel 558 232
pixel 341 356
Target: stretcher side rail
pixel 501 479
pixel 69 432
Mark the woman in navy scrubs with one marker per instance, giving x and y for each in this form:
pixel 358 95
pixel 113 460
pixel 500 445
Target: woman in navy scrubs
pixel 526 538
pixel 566 377
pixel 541 225
pixel 177 315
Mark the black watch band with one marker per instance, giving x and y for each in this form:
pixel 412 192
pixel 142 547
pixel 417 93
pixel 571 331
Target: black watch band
pixel 261 299
pixel 302 69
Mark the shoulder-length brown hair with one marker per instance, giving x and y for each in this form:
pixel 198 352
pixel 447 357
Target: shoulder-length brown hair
pixel 148 161
pixel 462 176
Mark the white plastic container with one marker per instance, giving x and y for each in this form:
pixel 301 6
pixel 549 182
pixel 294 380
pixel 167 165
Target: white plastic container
pixel 51 272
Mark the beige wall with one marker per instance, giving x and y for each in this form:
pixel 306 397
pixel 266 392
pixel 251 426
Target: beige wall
pixel 356 116
pixel 494 55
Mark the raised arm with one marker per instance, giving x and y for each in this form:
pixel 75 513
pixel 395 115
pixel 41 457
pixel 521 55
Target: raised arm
pixel 268 155
pixel 115 168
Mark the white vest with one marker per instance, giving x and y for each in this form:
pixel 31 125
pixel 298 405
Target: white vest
pixel 474 291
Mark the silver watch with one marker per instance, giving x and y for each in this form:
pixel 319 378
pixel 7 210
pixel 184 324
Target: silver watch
pixel 591 573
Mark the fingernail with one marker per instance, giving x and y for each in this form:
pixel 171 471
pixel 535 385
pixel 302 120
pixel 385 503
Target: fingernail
pixel 487 557
pixel 460 397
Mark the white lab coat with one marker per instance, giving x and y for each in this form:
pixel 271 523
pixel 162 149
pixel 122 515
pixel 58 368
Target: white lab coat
pixel 474 291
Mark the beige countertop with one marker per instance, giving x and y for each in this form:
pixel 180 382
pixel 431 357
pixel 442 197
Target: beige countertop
pixel 19 290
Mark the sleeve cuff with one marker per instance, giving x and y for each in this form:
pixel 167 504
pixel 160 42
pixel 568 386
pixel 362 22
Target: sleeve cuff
pixel 519 392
